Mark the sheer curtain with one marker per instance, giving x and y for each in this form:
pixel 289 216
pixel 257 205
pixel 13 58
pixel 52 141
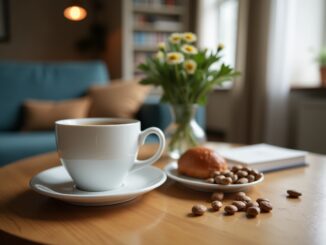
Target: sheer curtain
pixel 278 73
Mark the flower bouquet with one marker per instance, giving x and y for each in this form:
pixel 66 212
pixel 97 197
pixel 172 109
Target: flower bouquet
pixel 186 76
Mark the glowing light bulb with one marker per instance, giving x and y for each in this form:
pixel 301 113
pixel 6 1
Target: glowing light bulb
pixel 75 13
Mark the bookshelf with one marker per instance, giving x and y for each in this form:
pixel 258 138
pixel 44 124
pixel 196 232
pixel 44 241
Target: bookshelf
pixel 144 24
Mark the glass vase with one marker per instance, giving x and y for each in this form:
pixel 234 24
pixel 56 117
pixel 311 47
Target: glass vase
pixel 184 132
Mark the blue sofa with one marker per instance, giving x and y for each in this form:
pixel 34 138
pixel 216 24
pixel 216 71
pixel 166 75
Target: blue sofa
pixel 20 81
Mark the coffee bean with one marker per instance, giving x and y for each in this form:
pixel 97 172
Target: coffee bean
pixel 242 181
pixel 247 169
pixel 216 205
pixel 229 174
pixel 217 196
pixel 251 178
pixel 234 178
pixel 293 194
pixel 198 209
pixel 240 205
pixel 218 179
pixel 239 194
pixel 254 172
pixel 230 209
pixel 226 181
pixel 265 206
pixel 245 199
pixel 252 212
pixel 215 173
pixel 242 173
pixel 259 176
pixel 210 180
pixel 236 168
pixel 261 199
pixel 251 204
pixel 226 173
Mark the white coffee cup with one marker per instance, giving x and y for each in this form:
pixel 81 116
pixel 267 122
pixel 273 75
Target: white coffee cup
pixel 98 153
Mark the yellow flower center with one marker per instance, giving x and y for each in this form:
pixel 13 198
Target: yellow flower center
pixel 189 66
pixel 173 57
pixel 189 49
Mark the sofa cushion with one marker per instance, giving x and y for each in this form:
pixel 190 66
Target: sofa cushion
pixel 20 81
pixel 14 146
pixel 118 99
pixel 34 111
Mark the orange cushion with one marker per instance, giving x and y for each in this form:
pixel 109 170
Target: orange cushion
pixel 118 99
pixel 41 114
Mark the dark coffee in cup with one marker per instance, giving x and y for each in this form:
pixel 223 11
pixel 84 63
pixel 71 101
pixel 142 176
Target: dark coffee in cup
pixel 103 123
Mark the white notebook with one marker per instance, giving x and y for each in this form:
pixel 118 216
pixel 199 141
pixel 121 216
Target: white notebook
pixel 264 157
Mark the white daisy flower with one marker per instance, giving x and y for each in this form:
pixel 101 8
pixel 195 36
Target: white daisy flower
pixel 189 49
pixel 190 66
pixel 174 58
pixel 175 38
pixel 189 37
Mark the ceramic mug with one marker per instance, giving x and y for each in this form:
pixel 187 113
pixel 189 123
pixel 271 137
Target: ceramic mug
pixel 98 153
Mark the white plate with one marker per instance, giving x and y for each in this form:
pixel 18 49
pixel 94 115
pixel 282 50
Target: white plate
pixel 201 185
pixel 57 183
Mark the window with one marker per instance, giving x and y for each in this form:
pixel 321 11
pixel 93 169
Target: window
pixel 218 22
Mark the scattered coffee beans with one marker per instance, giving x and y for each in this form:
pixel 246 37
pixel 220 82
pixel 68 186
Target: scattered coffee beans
pixel 293 194
pixel 265 206
pixel 262 199
pixel 252 212
pixel 245 199
pixel 198 209
pixel 241 193
pixel 242 203
pixel 230 209
pixel 241 206
pixel 217 196
pixel 251 204
pixel 216 205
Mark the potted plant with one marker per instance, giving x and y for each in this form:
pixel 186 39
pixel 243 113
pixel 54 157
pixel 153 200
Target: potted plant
pixel 322 65
pixel 186 76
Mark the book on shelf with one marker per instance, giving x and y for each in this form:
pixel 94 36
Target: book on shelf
pixel 166 23
pixel 264 157
pixel 157 3
pixel 149 38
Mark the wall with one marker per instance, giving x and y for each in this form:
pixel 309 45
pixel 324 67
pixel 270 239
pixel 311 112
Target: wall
pixel 38 31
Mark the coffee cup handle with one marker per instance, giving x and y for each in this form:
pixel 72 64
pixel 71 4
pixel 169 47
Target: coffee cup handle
pixel 143 163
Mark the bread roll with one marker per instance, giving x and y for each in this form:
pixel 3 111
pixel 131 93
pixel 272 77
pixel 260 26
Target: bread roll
pixel 200 162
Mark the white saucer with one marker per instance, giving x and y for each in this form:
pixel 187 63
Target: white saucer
pixel 57 183
pixel 198 184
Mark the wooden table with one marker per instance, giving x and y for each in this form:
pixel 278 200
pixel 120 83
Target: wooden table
pixel 162 216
